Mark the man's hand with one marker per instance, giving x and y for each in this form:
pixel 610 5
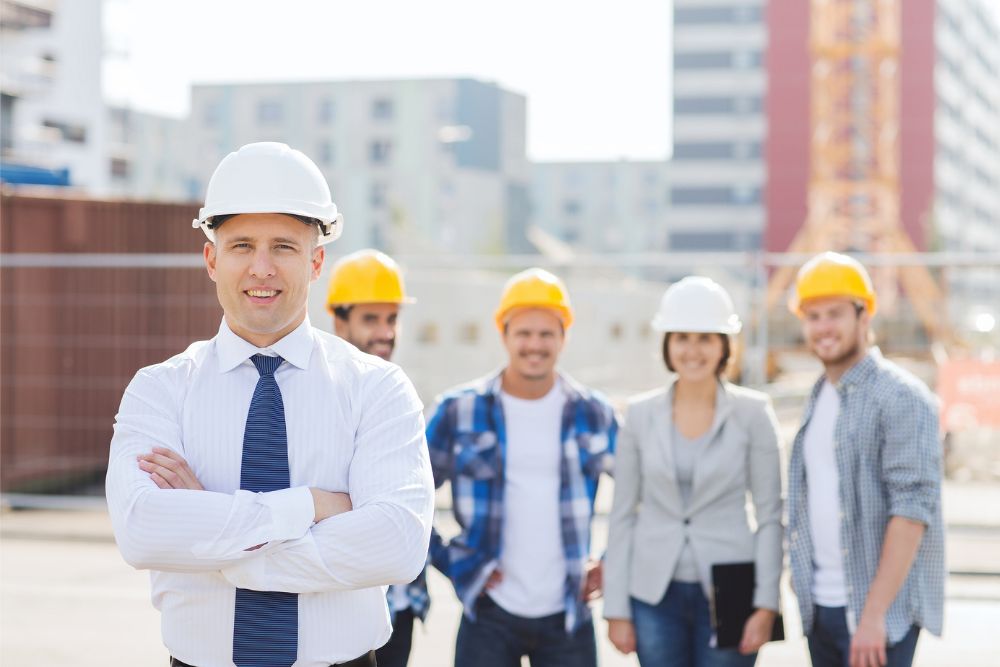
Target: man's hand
pixel 496 576
pixel 329 503
pixel 594 583
pixel 621 632
pixel 169 470
pixel 868 642
pixel 757 630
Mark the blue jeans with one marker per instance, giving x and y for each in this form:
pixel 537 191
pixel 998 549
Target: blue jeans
pixel 498 639
pixel 677 630
pixel 830 641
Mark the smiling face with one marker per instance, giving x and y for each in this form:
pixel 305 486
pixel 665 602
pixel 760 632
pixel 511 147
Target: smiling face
pixel 370 327
pixel 695 357
pixel 534 338
pixel 262 264
pixel 836 331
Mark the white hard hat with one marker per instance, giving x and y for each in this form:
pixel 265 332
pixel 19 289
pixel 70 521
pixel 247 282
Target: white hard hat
pixel 270 177
pixel 697 305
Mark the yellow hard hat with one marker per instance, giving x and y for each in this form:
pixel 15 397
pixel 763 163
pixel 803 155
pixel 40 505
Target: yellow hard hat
pixel 535 288
pixel 832 274
pixel 366 276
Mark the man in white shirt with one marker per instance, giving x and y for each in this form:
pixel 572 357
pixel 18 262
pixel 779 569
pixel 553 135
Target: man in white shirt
pixel 866 539
pixel 274 478
pixel 365 295
pixel 524 450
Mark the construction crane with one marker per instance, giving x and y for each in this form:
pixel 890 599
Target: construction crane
pixel 854 194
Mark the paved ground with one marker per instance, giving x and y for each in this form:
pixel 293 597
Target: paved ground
pixel 67 598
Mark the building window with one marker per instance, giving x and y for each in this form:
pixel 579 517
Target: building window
pixel 212 114
pixel 382 109
pixel 324 153
pixel 714 241
pixel 377 195
pixel 119 168
pixel 716 105
pixel 71 132
pixel 270 112
pixel 325 112
pixel 717 150
pixel 379 151
pixel 468 333
pixel 714 196
pixel 701 241
pixel 710 15
pixel 718 60
pixel 428 333
pixel 6 121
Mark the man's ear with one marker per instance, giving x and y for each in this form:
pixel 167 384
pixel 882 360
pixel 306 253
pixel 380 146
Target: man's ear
pixel 319 254
pixel 209 253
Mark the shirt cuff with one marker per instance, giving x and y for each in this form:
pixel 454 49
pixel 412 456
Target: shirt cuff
pixel 267 518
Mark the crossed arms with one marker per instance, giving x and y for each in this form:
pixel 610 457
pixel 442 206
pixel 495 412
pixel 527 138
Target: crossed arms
pixel 299 540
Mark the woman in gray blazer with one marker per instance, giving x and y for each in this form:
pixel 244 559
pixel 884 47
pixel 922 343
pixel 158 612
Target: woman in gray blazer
pixel 687 456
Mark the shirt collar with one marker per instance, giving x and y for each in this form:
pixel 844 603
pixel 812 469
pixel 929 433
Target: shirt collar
pixel 492 385
pixel 295 348
pixel 857 373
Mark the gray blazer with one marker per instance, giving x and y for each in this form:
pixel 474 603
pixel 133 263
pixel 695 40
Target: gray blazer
pixel 648 522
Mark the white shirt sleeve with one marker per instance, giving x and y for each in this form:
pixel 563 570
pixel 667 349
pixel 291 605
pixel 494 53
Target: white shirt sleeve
pixel 176 529
pixel 384 539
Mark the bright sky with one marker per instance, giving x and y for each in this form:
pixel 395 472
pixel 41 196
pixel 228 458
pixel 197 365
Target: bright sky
pixel 596 74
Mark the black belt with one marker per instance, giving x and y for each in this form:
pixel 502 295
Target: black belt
pixel 367 660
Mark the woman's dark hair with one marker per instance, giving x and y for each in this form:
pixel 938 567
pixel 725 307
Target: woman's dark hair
pixel 726 351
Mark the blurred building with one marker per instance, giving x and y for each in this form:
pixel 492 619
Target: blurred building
pixel 949 123
pixel 739 175
pixel 602 206
pixel 436 165
pixel 52 116
pixel 718 172
pixel 148 156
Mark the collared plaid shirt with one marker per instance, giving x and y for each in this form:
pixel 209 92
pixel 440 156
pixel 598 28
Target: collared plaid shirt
pixel 888 456
pixel 467 441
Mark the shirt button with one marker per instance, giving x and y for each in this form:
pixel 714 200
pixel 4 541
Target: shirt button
pixel 687 521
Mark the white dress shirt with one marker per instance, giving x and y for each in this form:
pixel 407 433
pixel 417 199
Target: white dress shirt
pixel 354 424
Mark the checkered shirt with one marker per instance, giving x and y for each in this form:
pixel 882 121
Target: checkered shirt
pixel 888 456
pixel 416 593
pixel 467 441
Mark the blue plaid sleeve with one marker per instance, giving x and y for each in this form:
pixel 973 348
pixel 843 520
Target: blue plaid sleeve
pixel 440 432
pixel 911 455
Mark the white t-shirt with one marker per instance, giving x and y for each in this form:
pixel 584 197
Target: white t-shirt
pixel 822 484
pixel 532 559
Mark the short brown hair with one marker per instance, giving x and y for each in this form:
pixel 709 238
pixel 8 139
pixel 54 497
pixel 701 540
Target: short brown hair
pixel 723 363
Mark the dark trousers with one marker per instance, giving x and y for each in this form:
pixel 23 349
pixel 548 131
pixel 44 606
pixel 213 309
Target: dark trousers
pixel 367 660
pixel 396 652
pixel 830 641
pixel 499 639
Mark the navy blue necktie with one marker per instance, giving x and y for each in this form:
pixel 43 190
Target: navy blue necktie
pixel 266 624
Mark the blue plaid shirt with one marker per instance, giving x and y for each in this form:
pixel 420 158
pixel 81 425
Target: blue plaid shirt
pixel 416 594
pixel 889 460
pixel 467 441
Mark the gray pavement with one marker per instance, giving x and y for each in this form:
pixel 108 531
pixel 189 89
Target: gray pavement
pixel 67 598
